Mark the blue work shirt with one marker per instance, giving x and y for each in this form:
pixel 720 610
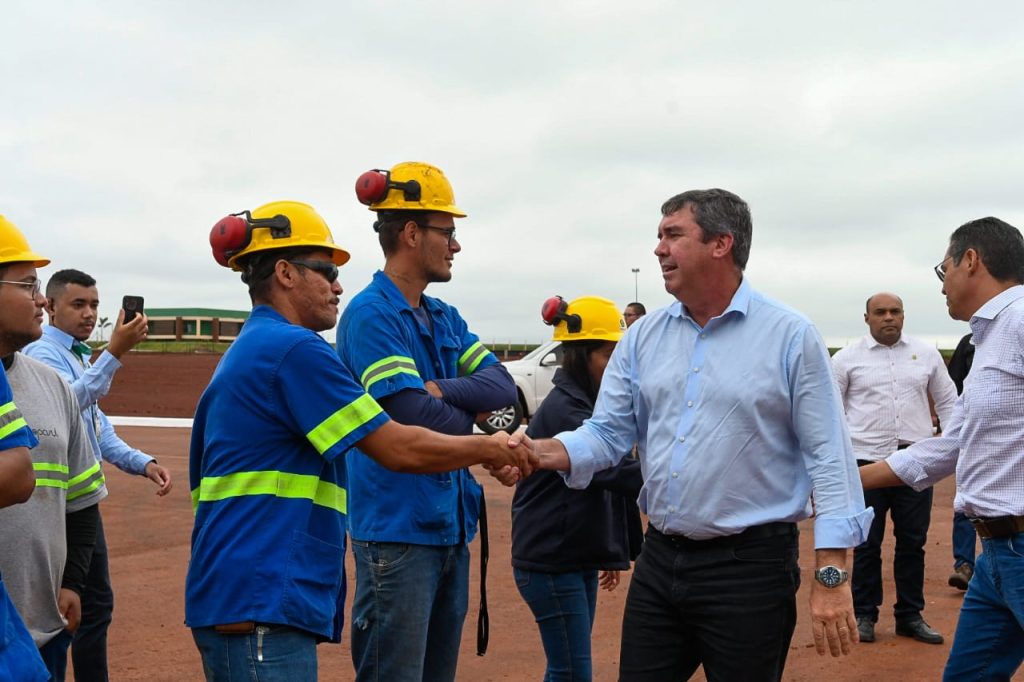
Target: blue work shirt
pixel 89 383
pixel 737 423
pixel 268 480
pixel 383 343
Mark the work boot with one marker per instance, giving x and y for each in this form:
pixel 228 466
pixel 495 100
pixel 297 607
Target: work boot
pixel 919 630
pixel 960 576
pixel 866 629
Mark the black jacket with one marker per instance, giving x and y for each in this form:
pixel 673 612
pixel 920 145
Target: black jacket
pixel 556 529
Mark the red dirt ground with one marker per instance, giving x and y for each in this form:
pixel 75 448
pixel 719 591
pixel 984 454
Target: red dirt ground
pixel 149 538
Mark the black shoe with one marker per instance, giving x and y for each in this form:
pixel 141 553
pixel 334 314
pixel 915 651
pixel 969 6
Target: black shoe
pixel 866 629
pixel 919 630
pixel 960 576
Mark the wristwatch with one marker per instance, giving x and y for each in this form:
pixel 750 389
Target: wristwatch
pixel 831 576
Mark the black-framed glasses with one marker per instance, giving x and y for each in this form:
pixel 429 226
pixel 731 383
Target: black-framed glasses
pixel 446 231
pixel 940 269
pixel 35 286
pixel 326 268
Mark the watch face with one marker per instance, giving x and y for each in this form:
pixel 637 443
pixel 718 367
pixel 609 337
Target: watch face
pixel 830 576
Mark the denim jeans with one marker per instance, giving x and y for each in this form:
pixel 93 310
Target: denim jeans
pixel 273 653
pixel 989 643
pixel 965 541
pixel 89 646
pixel 408 610
pixel 55 655
pixel 728 604
pixel 911 513
pixel 564 605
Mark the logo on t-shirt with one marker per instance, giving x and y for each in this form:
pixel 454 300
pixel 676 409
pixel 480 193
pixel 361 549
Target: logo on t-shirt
pixel 49 433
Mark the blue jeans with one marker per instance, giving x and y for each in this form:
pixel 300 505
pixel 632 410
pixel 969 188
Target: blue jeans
pixel 408 610
pixel 55 655
pixel 989 643
pixel 964 541
pixel 89 646
pixel 563 605
pixel 273 653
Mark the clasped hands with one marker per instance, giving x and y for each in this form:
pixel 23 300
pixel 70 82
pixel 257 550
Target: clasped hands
pixel 516 459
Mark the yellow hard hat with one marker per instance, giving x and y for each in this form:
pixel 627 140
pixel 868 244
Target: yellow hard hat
pixel 409 186
pixel 14 247
pixel 277 225
pixel 588 318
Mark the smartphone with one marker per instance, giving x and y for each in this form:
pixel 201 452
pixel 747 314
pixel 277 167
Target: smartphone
pixel 132 306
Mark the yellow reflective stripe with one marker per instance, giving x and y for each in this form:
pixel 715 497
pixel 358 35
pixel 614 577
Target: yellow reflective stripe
pixel 343 422
pixel 388 367
pixel 473 356
pixel 86 490
pixel 276 483
pixel 50 466
pixel 50 483
pixel 10 419
pixel 94 469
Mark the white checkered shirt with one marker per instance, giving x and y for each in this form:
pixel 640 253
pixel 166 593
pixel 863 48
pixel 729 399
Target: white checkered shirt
pixel 984 443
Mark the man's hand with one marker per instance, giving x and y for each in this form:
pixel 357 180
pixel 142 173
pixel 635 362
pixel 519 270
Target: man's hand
pixel 608 580
pixel 432 389
pixel 832 619
pixel 160 476
pixel 70 606
pixel 127 336
pixel 517 461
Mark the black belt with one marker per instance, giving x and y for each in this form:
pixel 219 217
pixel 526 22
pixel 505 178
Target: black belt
pixel 999 527
pixel 765 530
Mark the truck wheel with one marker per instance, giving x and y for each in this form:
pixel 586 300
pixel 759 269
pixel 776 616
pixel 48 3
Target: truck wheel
pixel 506 419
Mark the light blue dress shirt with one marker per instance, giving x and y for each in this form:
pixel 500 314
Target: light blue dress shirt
pixel 89 383
pixel 737 423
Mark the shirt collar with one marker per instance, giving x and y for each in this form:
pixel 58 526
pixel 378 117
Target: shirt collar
pixel 59 336
pixel 740 303
pixel 872 342
pixel 395 296
pixel 998 303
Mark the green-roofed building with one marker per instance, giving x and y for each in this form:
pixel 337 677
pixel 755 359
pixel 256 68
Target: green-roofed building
pixel 194 324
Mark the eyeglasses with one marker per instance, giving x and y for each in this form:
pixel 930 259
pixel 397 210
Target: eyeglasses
pixel 446 231
pixel 940 269
pixel 35 285
pixel 326 268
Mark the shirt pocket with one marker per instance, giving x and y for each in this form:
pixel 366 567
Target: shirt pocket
pixel 313 580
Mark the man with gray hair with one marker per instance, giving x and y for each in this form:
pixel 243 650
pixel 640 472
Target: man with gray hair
pixel 729 395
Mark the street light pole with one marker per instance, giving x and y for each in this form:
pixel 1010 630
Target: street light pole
pixel 636 273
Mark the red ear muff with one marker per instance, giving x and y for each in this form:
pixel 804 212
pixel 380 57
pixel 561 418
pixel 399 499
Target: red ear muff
pixel 553 312
pixel 233 233
pixel 373 186
pixel 228 236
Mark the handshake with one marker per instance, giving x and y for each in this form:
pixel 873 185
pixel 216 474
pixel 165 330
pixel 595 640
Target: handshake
pixel 510 457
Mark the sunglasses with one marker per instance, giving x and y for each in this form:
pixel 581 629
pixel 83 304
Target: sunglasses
pixel 448 232
pixel 326 268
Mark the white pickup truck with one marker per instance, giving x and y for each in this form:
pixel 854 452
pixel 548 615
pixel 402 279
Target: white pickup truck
pixel 533 374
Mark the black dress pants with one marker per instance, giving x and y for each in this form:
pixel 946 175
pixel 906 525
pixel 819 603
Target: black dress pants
pixel 728 604
pixel 911 513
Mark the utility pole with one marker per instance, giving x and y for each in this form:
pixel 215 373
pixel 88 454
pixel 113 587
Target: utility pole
pixel 636 274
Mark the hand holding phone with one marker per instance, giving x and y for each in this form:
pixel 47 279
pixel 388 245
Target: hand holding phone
pixel 133 305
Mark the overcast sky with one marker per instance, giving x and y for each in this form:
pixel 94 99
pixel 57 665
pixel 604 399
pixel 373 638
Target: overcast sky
pixel 861 134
